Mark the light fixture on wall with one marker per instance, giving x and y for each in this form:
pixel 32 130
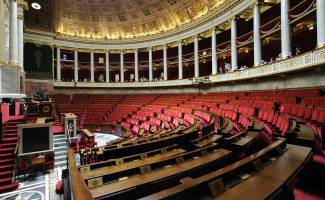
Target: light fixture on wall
pixel 36 6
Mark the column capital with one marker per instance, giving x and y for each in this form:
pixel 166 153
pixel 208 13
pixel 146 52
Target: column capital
pixel 23 4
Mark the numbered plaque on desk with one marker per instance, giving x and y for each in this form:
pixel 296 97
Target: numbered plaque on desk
pixel 95 182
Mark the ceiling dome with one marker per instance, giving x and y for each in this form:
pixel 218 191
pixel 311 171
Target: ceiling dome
pixel 125 19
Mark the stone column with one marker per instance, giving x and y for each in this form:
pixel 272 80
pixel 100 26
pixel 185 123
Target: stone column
pixel 21 6
pixel 257 36
pixel 122 66
pixel 150 64
pixel 2 33
pixel 214 51
pixel 92 67
pixel 165 63
pixel 285 29
pixel 76 65
pixel 58 63
pixel 196 57
pixel 234 58
pixel 180 60
pixel 13 42
pixel 136 66
pixel 107 66
pixel 320 23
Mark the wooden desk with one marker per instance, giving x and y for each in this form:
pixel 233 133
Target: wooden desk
pixel 249 189
pixel 133 164
pixel 163 174
pixel 243 141
pixel 208 141
pixel 69 115
pixel 209 177
pixel 264 183
pixel 88 133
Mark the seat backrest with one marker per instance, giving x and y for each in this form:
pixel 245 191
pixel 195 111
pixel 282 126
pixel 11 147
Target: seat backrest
pixel 308 112
pixel 301 111
pixel 321 117
pixel 315 114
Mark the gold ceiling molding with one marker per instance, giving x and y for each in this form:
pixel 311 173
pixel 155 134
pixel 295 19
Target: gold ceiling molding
pixel 127 19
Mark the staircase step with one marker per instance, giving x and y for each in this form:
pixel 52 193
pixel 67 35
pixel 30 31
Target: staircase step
pixel 10 135
pixel 7 149
pixel 6 145
pixel 9 187
pixel 60 144
pixel 7 167
pixel 4 181
pixel 10 131
pixel 11 127
pixel 8 160
pixel 7 173
pixel 60 158
pixel 6 155
pixel 62 139
pixel 10 139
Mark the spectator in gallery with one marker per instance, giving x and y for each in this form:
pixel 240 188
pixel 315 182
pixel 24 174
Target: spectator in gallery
pixel 227 66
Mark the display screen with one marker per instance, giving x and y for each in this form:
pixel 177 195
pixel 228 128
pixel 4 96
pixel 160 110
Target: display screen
pixel 35 139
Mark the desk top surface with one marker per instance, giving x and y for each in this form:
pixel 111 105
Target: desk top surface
pixel 137 180
pixel 137 163
pixel 69 115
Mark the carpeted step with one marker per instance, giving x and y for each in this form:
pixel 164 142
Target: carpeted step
pixel 10 135
pixel 8 145
pixel 10 131
pixel 6 155
pixel 9 187
pixel 11 127
pixel 7 173
pixel 8 160
pixel 7 150
pixel 6 135
pixel 12 139
pixel 7 167
pixel 4 181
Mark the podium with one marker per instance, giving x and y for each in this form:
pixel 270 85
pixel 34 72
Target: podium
pixel 69 120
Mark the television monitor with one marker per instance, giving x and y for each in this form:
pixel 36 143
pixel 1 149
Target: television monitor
pixel 35 138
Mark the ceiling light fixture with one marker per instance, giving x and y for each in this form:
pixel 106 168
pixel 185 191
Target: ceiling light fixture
pixel 36 6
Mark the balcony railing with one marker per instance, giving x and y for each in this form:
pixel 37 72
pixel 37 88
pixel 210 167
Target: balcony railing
pixel 303 61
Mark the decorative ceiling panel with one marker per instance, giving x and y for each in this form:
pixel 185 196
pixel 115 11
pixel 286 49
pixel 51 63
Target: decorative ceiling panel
pixel 123 19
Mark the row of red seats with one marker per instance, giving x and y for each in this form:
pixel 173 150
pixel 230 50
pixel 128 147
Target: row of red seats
pixel 126 125
pixel 155 121
pixel 146 113
pixel 314 101
pixel 203 115
pixel 189 119
pixel 174 113
pixel 146 126
pixel 140 117
pixel 183 110
pixel 133 121
pixel 225 113
pixel 165 117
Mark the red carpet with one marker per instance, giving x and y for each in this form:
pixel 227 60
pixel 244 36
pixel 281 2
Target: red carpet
pixel 58 129
pixel 7 157
pixel 311 184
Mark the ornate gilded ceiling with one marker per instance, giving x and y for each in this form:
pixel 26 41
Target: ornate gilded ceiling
pixel 124 19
